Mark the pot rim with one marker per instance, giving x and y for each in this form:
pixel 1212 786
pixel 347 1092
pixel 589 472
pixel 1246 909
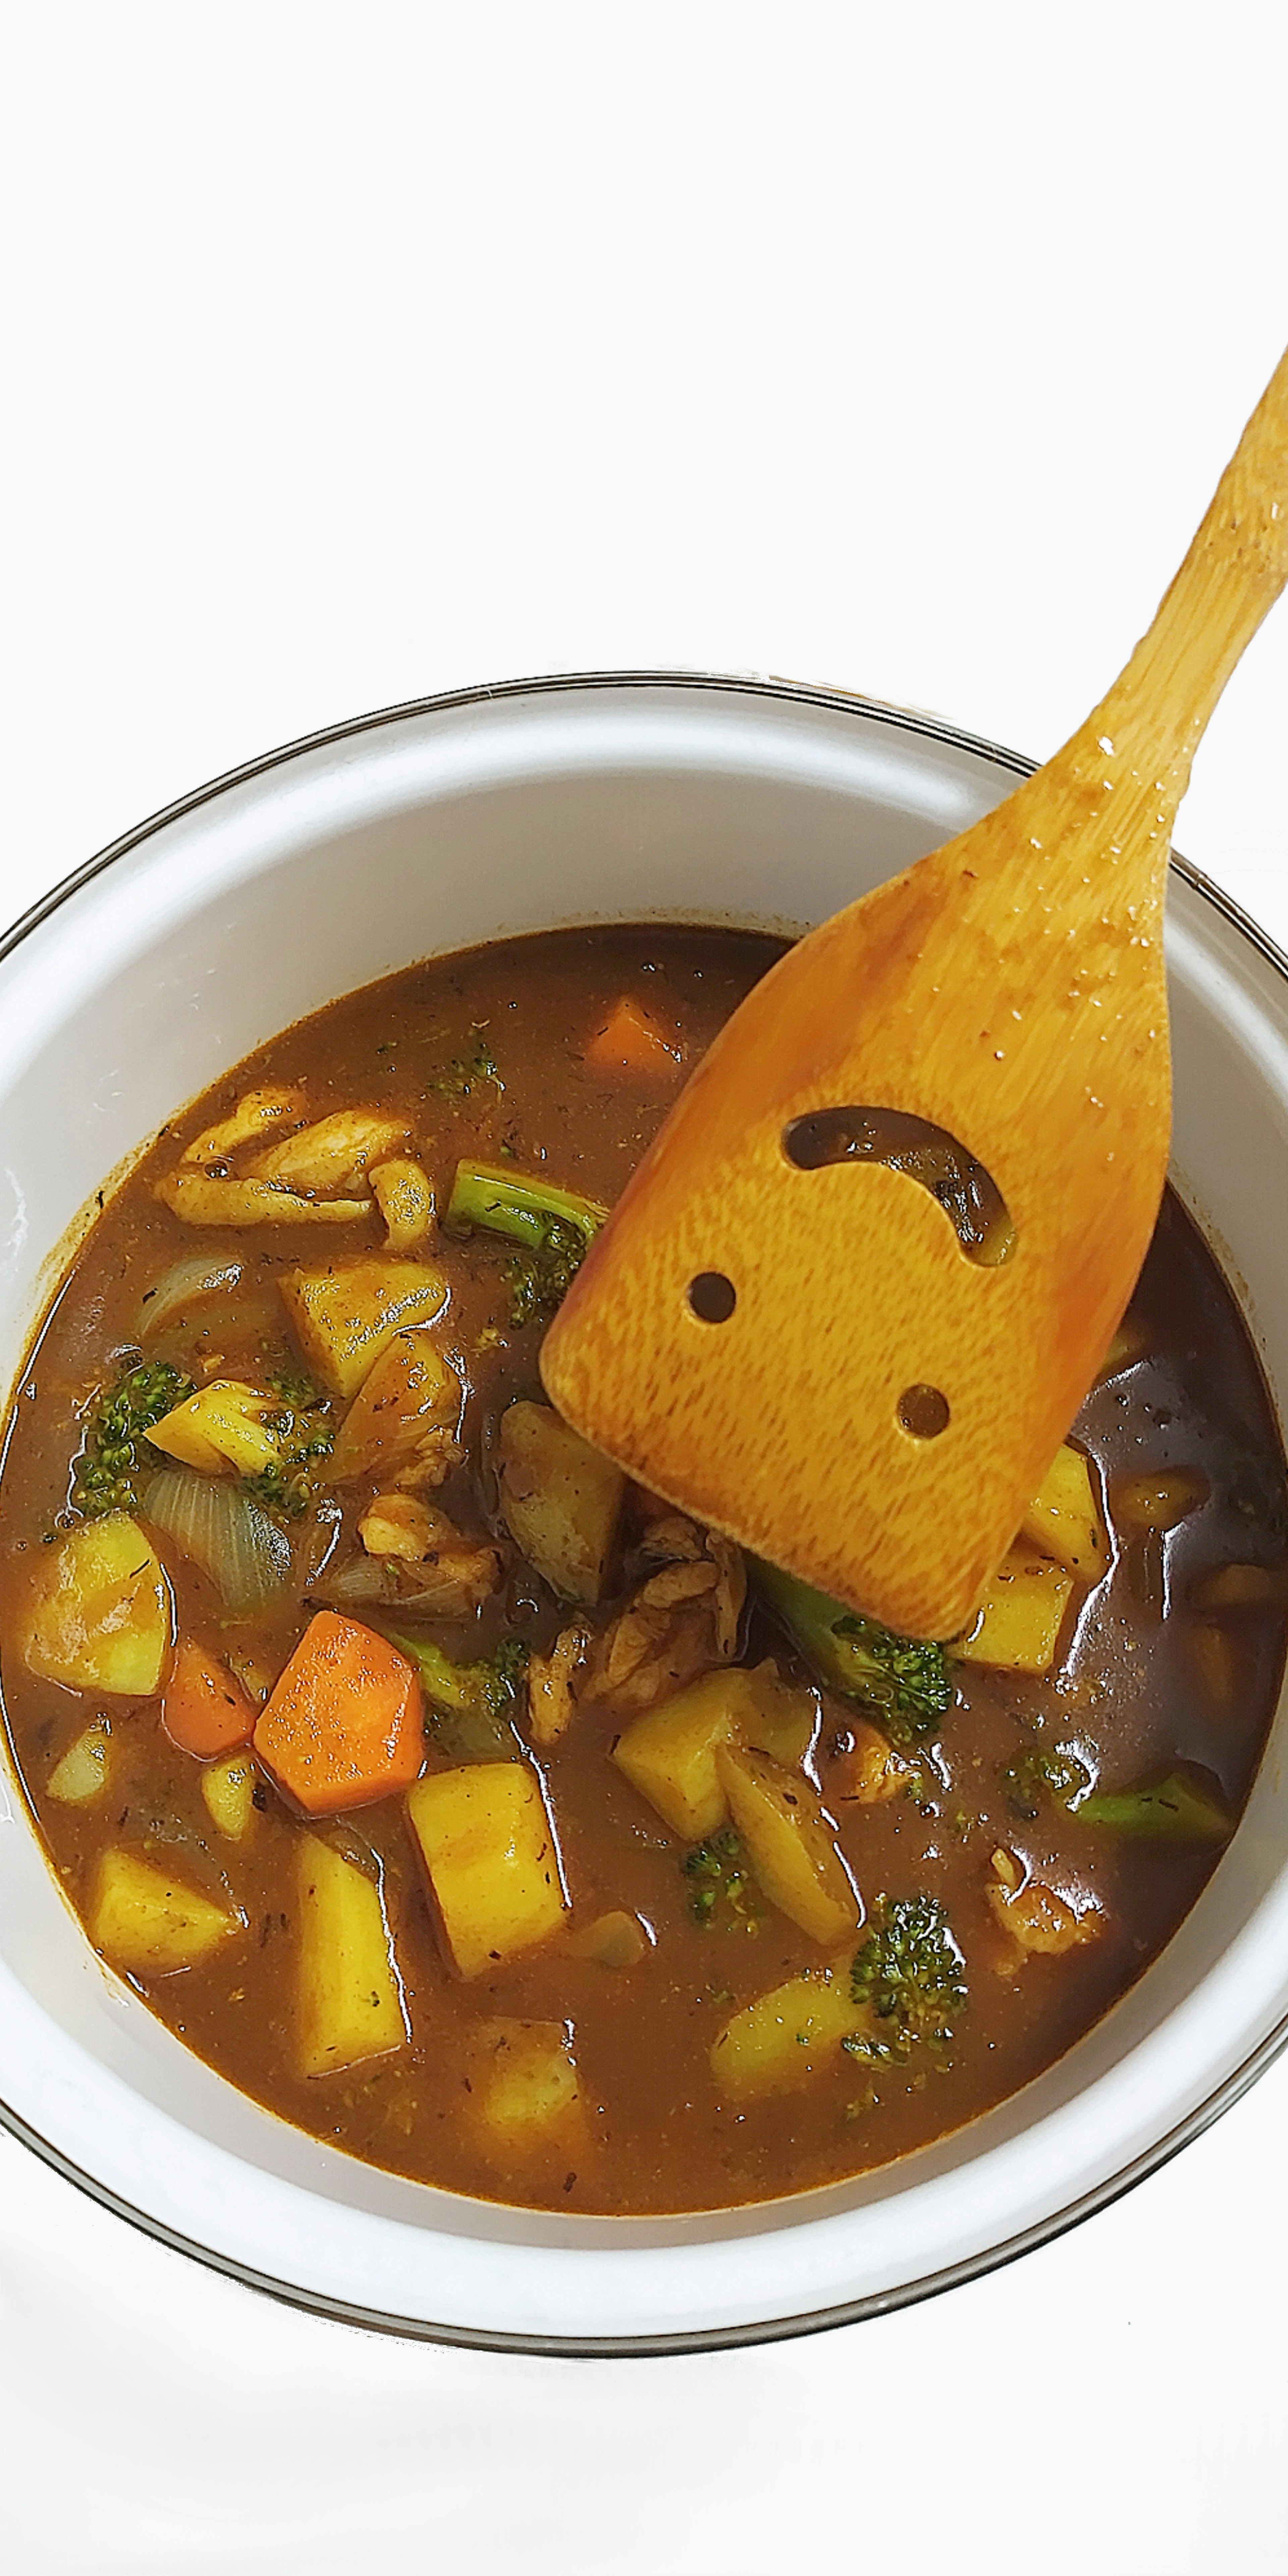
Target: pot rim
pixel 847 2312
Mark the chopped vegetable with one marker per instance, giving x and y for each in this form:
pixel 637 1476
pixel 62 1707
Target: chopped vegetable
pixel 1046 1771
pixel 301 1425
pixel 222 1529
pixel 1020 1617
pixel 1161 1501
pixel 346 1314
pixel 1064 1521
pixel 1240 1587
pixel 471 1705
pixel 1182 1809
pixel 791 1851
pixel 344 1724
pixel 349 2004
pixel 560 1499
pixel 147 1921
pixel 204 1711
pixel 552 1228
pixel 429 1560
pixel 631 1042
pixel 522 2080
pixel 776 2044
pixel 1218 1659
pixel 85 1768
pixel 403 1422
pixel 1130 1343
pixel 615 1940
pixel 228 1788
pixel 910 1974
pixel 186 1284
pixel 100 1613
pixel 116 1448
pixel 404 1195
pixel 220 1426
pixel 489 1848
pixel 197 1199
pixel 669 1754
pixel 723 1890
pixel 467 1073
pixel 905 1677
pixel 334 1154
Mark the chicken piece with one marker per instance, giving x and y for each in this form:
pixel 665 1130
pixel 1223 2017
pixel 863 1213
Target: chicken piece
pixel 552 1684
pixel 452 1573
pixel 256 1111
pixel 334 1154
pixel 404 1195
pixel 197 1199
pixel 683 1620
pixel 867 1769
pixel 1032 1916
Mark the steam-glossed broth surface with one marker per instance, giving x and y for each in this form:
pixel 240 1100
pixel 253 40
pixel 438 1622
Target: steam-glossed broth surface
pixel 569 2027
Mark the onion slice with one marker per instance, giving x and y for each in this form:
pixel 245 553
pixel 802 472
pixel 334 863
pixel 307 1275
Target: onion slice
pixel 223 1530
pixel 199 1274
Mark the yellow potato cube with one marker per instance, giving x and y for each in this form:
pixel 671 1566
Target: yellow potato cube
pixel 793 1856
pixel 221 1427
pixel 228 1788
pixel 82 1775
pixel 523 2084
pixel 349 2004
pixel 780 2041
pixel 1018 1621
pixel 489 1847
pixel 100 1616
pixel 1064 1521
pixel 560 1499
pixel 345 1313
pixel 148 1921
pixel 669 1755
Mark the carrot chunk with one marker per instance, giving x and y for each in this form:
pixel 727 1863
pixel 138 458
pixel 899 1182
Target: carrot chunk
pixel 631 1042
pixel 204 1710
pixel 345 1723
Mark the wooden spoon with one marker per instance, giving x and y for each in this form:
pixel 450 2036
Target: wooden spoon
pixel 854 1341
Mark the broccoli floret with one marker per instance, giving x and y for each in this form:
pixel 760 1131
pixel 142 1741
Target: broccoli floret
pixel 906 1678
pixel 723 1890
pixel 105 1473
pixel 910 1973
pixel 1040 1772
pixel 307 1433
pixel 468 1072
pixel 470 1705
pixel 552 1229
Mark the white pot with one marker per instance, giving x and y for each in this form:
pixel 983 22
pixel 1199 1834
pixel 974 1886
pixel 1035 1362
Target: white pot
pixel 313 871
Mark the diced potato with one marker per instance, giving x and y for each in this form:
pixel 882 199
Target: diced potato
pixel 784 1718
pixel 349 2004
pixel 100 1617
pixel 1130 1343
pixel 147 1920
pixel 489 1847
pixel 198 1199
pixel 1018 1622
pixel 560 1499
pixel 523 2084
pixel 403 1421
pixel 793 1857
pixel 404 1195
pixel 83 1773
pixel 870 1770
pixel 776 2044
pixel 333 1154
pixel 228 1788
pixel 347 1313
pixel 1159 1501
pixel 669 1754
pixel 221 1426
pixel 1064 1518
pixel 1240 1587
pixel 1218 1659
pixel 616 1940
pixel 256 1113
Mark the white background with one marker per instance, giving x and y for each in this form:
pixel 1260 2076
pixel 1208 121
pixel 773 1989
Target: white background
pixel 354 352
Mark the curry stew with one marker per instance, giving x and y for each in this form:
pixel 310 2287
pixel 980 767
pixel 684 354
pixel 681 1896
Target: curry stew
pixel 470 1808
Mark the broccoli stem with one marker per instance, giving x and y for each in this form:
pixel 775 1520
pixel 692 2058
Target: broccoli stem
pixel 517 1206
pixel 1177 1809
pixel 469 1704
pixel 905 1678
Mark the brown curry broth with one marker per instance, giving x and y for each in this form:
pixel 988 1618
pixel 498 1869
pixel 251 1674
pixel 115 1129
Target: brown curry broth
pixel 656 2138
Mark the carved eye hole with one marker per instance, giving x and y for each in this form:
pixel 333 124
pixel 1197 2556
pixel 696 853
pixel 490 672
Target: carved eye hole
pixel 924 1411
pixel 712 1297
pixel 967 1193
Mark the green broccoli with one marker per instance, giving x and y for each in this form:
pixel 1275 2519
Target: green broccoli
pixel 110 1461
pixel 906 1679
pixel 307 1433
pixel 1055 1772
pixel 1183 1808
pixel 551 1227
pixel 467 1073
pixel 723 1890
pixel 470 1705
pixel 910 1973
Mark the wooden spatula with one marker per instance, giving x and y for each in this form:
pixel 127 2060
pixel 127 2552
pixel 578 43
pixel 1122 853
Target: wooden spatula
pixel 849 1304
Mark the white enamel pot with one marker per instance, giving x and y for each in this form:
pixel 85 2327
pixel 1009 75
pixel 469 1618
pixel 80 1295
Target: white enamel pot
pixel 313 871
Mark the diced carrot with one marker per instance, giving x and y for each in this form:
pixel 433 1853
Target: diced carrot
pixel 204 1710
pixel 345 1723
pixel 630 1042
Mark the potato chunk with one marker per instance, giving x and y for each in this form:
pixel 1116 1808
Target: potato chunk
pixel 489 1847
pixel 793 1857
pixel 228 1788
pixel 402 1423
pixel 669 1754
pixel 346 1313
pixel 85 1769
pixel 776 2044
pixel 560 1499
pixel 219 1427
pixel 148 1921
pixel 1018 1621
pixel 100 1617
pixel 523 2085
pixel 349 2004
pixel 1064 1518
